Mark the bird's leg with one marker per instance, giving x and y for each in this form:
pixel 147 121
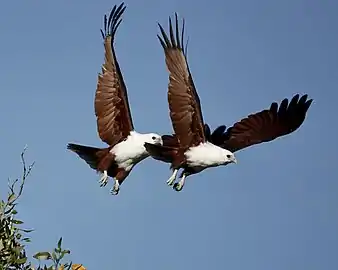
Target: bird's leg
pixel 116 188
pixel 178 186
pixel 104 179
pixel 172 178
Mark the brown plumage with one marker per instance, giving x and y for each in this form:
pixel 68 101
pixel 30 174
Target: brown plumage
pixel 263 126
pixel 187 119
pixel 184 103
pixel 114 121
pixel 99 159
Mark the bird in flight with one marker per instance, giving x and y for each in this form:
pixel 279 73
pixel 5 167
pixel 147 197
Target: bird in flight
pixel 193 147
pixel 114 122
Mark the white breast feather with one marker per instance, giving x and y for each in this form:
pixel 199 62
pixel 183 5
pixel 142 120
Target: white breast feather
pixel 129 152
pixel 205 155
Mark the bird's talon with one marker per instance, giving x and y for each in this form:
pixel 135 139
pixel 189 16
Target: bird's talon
pixel 170 182
pixel 104 179
pixel 177 186
pixel 115 190
pixel 172 178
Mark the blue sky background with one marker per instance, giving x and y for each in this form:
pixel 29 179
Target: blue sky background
pixel 276 209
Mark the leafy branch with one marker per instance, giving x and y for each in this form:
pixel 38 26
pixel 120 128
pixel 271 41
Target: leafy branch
pixel 13 239
pixel 12 242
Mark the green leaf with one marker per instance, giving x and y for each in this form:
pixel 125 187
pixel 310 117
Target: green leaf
pixel 61 256
pixel 59 243
pixel 26 231
pixel 21 261
pixel 54 257
pixel 14 212
pixel 44 255
pixel 15 221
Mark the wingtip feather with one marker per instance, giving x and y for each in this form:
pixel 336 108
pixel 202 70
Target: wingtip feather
pixel 112 23
pixel 173 40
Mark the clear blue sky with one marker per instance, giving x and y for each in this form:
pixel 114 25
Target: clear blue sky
pixel 276 209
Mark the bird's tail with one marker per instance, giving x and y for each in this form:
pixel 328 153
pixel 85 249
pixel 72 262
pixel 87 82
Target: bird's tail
pixel 91 155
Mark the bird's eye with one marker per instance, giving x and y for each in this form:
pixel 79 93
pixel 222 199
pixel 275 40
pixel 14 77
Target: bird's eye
pixel 154 138
pixel 228 156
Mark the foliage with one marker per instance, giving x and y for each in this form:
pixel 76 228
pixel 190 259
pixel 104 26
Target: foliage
pixel 13 238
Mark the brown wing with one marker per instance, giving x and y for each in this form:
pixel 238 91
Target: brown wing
pixel 263 126
pixel 184 103
pixel 114 121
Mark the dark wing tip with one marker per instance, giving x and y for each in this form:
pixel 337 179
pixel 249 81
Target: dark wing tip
pixel 70 146
pixel 281 119
pixel 218 135
pixel 175 41
pixel 274 107
pixel 112 23
pixel 219 130
pixel 308 103
pixel 293 114
pixel 303 98
pixel 207 132
pixel 164 39
pixel 73 147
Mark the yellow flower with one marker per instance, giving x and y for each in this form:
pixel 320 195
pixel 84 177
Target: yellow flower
pixel 74 267
pixel 78 267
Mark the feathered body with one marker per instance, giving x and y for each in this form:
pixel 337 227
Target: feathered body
pixel 114 121
pixel 193 147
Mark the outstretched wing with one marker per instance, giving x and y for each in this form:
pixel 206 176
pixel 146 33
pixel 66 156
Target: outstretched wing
pixel 114 121
pixel 263 126
pixel 184 103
